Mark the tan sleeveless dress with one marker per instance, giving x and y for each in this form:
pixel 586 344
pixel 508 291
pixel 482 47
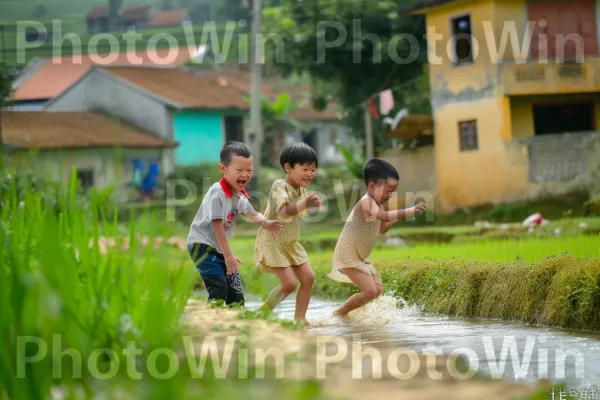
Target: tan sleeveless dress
pixel 356 242
pixel 284 250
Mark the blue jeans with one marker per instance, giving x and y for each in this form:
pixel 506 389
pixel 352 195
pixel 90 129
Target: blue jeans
pixel 212 269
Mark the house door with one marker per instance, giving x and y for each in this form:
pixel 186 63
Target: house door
pixel 563 118
pixel 234 128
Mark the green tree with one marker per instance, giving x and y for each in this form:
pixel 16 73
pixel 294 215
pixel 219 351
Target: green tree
pixel 5 100
pixel 168 5
pixel 376 49
pixel 235 10
pixel 277 121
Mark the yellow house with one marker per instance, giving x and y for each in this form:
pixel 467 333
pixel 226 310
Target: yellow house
pixel 515 94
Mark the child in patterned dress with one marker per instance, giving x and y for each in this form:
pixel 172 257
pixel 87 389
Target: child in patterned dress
pixel 283 255
pixel 366 222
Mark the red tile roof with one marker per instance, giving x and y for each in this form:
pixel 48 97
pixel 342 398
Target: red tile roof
pixel 134 13
pixel 167 18
pixel 182 88
pixel 46 130
pixel 98 12
pixel 56 75
pixel 125 13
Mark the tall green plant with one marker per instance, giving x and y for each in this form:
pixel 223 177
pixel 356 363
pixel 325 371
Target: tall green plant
pixel 59 289
pixel 354 162
pixel 277 119
pixel 5 100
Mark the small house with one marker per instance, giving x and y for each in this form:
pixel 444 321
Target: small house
pixel 197 111
pixel 104 149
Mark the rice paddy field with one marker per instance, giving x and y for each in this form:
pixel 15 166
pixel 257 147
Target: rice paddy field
pixel 61 287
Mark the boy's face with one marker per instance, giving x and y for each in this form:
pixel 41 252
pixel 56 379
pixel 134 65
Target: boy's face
pixel 382 191
pixel 302 174
pixel 238 173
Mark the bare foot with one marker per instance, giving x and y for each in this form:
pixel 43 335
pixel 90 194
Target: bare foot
pixel 337 314
pixel 303 321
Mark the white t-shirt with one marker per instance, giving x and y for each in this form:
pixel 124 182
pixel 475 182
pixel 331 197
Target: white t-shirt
pixel 218 203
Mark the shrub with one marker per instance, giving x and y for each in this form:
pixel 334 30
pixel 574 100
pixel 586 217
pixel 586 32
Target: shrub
pixel 592 207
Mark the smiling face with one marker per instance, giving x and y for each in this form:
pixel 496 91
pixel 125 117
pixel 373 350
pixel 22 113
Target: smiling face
pixel 382 191
pixel 301 175
pixel 238 173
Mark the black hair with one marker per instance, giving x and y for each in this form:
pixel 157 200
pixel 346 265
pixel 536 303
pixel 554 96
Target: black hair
pixel 233 148
pixel 377 169
pixel 298 153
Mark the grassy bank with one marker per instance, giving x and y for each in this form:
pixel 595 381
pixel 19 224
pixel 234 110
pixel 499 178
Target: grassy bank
pixel 547 281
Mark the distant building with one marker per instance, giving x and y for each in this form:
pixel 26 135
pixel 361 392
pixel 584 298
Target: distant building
pixel 167 19
pixel 43 79
pixel 515 123
pixel 128 17
pixel 102 148
pixel 196 111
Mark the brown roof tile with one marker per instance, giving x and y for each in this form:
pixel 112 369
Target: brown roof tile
pixel 167 18
pixel 73 130
pixel 182 87
pixel 57 74
pixel 98 12
pixel 134 13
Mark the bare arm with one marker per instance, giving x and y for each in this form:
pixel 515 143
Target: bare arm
pixel 256 217
pixel 386 226
pixel 270 225
pixel 289 210
pixel 389 218
pixel 231 261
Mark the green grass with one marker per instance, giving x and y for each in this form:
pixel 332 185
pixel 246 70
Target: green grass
pixel 528 250
pixel 550 281
pixel 55 286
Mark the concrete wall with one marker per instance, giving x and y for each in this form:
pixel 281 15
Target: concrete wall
pixel 466 82
pixel 417 175
pixel 100 92
pixel 488 174
pixel 559 164
pixel 110 166
pixel 328 134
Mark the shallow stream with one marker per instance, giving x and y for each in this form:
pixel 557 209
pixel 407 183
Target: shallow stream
pixel 496 349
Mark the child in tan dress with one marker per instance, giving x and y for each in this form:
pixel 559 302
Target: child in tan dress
pixel 366 222
pixel 283 255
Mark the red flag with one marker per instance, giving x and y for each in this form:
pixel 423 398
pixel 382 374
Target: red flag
pixel 373 109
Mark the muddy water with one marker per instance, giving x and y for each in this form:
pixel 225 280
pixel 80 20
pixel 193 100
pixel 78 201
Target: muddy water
pixel 496 349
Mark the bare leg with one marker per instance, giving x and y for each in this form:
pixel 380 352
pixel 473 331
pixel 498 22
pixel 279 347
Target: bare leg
pixel 286 287
pixel 369 291
pixel 307 278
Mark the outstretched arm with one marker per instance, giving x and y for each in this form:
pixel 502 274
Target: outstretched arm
pixel 389 218
pixel 289 210
pixel 269 225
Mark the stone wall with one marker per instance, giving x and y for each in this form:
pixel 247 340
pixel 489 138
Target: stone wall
pixel 418 178
pixel 558 164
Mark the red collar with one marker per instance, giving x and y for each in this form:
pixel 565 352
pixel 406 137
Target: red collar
pixel 228 192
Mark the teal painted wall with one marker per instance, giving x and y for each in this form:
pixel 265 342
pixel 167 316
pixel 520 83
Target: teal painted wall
pixel 200 136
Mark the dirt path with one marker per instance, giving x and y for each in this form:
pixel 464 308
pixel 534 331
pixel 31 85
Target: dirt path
pixel 304 355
